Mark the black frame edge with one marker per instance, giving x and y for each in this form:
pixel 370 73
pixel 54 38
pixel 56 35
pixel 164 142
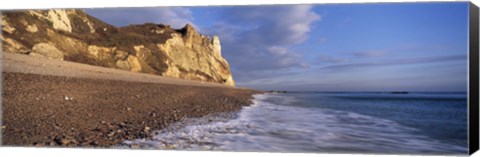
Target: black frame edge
pixel 1 84
pixel 473 94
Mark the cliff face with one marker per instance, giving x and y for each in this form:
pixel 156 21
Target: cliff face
pixel 76 36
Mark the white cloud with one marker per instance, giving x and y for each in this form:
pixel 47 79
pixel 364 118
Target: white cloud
pixel 274 25
pixel 371 53
pixel 277 50
pixel 260 38
pixel 177 17
pixel 330 59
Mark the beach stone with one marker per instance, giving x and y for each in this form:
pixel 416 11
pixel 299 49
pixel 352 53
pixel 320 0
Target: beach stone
pixel 67 98
pixel 135 146
pixel 85 143
pixel 93 143
pixel 39 144
pixel 110 134
pixel 122 125
pixel 62 141
pixel 153 114
pixel 52 143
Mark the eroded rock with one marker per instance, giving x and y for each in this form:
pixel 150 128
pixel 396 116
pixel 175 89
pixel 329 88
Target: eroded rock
pixel 150 48
pixel 32 28
pixel 46 50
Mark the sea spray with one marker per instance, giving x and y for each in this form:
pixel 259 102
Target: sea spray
pixel 286 123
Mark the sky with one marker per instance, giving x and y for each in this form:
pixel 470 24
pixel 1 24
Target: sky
pixel 329 47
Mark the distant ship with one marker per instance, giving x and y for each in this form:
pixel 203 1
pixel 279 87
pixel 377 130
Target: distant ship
pixel 277 91
pixel 399 92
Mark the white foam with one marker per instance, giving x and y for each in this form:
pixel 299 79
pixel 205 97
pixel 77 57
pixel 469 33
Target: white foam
pixel 264 126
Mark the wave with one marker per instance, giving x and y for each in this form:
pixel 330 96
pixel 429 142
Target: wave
pixel 270 127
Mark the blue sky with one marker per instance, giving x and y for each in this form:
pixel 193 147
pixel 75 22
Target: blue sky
pixel 329 47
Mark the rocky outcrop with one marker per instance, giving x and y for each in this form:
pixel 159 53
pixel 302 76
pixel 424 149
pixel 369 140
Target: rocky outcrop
pixel 158 49
pixel 46 50
pixel 184 51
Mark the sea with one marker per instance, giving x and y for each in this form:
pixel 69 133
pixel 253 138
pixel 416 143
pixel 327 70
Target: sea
pixel 328 122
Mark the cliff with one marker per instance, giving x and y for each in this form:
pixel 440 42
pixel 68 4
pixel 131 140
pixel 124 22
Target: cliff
pixel 158 49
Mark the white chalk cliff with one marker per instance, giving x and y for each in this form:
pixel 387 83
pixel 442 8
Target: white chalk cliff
pixel 73 35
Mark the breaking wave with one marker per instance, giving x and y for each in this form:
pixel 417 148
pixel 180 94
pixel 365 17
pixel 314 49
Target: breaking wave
pixel 269 126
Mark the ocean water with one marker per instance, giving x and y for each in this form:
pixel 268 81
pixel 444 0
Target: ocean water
pixel 342 122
